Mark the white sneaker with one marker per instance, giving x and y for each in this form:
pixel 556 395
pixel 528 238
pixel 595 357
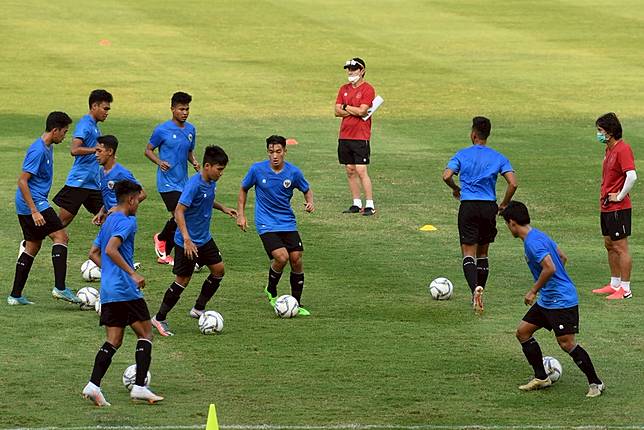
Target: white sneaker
pixel 94 393
pixel 195 313
pixel 144 393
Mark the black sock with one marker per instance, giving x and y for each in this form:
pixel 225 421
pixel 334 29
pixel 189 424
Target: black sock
pixel 273 280
pixel 102 363
pixel 583 361
pixel 59 260
pixel 482 270
pixel 171 297
pixel 208 289
pixel 143 357
pixel 297 285
pixel 532 352
pixel 469 269
pixel 23 266
pixel 167 235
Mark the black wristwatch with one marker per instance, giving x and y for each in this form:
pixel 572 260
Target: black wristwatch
pixel 344 107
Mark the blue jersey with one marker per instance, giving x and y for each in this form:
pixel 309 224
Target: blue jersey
pixel 116 284
pixel 197 196
pixel 107 181
pixel 478 168
pixel 559 292
pixel 174 144
pixel 84 172
pixel 39 161
pixel 273 193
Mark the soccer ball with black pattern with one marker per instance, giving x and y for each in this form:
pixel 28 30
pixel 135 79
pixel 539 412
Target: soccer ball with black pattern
pixel 129 377
pixel 211 322
pixel 90 271
pixel 89 296
pixel 553 368
pixel 286 306
pixel 441 289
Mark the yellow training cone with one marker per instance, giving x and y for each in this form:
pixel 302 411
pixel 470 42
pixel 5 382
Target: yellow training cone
pixel 212 423
pixel 428 227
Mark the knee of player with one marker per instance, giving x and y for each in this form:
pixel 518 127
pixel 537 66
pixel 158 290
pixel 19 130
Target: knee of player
pixel 351 170
pixel 218 270
pixel 521 335
pixel 566 344
pixel 61 237
pixel 296 260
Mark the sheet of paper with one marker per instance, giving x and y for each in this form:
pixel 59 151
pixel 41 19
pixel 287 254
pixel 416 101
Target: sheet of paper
pixel 377 102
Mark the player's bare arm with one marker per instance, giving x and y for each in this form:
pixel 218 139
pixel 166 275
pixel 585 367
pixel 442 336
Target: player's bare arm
pixel 225 209
pixel 95 255
pixel 562 256
pixel 77 148
pixel 149 153
pixel 309 206
pixel 112 250
pixel 511 179
pixel 448 178
pixel 548 269
pixel 180 218
pixel 23 181
pixel 340 112
pixel 241 207
pixel 357 110
pixel 193 161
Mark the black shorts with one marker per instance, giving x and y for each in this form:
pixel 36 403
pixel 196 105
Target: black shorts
pixel 353 151
pixel 477 222
pixel 616 224
pixel 208 254
pixel 33 233
pixel 562 321
pixel 123 314
pixel 281 239
pixel 171 200
pixel 71 199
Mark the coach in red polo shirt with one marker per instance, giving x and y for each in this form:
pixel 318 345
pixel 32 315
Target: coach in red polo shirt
pixel 353 101
pixel 618 177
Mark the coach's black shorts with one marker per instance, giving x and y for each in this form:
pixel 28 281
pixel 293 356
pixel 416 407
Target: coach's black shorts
pixel 562 321
pixel 123 314
pixel 208 254
pixel 71 199
pixel 33 233
pixel 477 221
pixel 171 200
pixel 616 224
pixel 281 239
pixel 353 151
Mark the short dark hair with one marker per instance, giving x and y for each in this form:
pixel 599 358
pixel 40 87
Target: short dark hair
pixel 109 142
pixel 275 140
pixel 57 119
pixel 611 124
pixel 99 96
pixel 124 189
pixel 516 211
pixel 481 126
pixel 215 155
pixel 180 98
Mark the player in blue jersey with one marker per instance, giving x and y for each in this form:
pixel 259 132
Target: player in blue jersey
pixel 122 303
pixel 82 187
pixel 175 140
pixel 274 181
pixel 478 167
pixel 110 174
pixel 37 219
pixel 194 242
pixel 556 307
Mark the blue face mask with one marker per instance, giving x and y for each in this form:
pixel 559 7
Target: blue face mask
pixel 601 138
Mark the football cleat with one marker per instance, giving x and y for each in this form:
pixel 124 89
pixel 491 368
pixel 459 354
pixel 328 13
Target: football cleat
pixel 606 289
pixel 536 384
pixel 22 300
pixel 168 259
pixel 271 298
pixel 94 393
pixel 353 209
pixel 620 294
pixel 159 246
pixel 303 312
pixel 595 390
pixel 195 313
pixel 144 393
pixel 161 326
pixel 368 211
pixel 66 295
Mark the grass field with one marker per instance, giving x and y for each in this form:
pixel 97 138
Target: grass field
pixel 377 350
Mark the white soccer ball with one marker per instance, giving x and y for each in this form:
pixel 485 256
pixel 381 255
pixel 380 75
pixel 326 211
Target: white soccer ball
pixel 89 297
pixel 211 322
pixel 97 306
pixel 129 377
pixel 441 289
pixel 90 271
pixel 286 306
pixel 553 368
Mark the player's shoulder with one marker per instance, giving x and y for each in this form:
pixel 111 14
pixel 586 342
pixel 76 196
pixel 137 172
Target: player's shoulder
pixel 37 145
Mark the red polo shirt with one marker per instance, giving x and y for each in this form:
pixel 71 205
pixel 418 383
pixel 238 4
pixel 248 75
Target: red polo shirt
pixel 353 127
pixel 618 160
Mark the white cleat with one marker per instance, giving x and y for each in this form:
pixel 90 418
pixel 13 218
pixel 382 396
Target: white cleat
pixel 94 393
pixel 195 313
pixel 144 393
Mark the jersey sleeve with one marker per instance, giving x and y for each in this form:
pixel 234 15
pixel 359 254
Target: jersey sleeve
pixel 300 182
pixel 194 139
pixel 368 95
pixel 340 98
pixel 188 194
pixel 505 165
pixel 626 159
pixel 33 158
pixel 157 137
pixel 123 228
pixel 454 164
pixel 537 251
pixel 97 239
pixel 81 131
pixel 128 176
pixel 249 180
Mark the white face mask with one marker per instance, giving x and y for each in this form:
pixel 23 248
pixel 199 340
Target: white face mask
pixel 353 78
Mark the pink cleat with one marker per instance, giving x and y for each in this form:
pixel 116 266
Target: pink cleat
pixel 159 246
pixel 620 294
pixel 606 289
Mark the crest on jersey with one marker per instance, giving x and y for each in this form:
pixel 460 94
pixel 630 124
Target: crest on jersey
pixel 286 183
pixel 346 94
pixel 190 137
pixel 110 185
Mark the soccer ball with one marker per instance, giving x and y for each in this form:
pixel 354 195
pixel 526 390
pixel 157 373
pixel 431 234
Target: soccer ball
pixel 89 297
pixel 97 306
pixel 129 377
pixel 553 368
pixel 441 289
pixel 286 306
pixel 90 271
pixel 211 322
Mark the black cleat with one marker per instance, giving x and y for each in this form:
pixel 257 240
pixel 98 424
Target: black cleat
pixel 368 211
pixel 352 210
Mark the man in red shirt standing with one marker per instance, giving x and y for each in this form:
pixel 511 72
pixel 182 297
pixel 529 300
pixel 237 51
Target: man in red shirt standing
pixel 353 101
pixel 618 177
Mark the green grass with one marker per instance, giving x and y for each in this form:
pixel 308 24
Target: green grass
pixel 377 350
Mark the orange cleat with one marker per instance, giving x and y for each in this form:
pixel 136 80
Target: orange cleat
pixel 606 289
pixel 620 294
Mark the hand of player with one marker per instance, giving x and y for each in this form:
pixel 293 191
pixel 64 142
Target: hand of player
pixel 309 207
pixel 190 249
pixel 529 298
pixel 196 166
pixel 98 219
pixel 457 193
pixel 612 197
pixel 241 222
pixel 230 212
pixel 139 280
pixel 164 165
pixel 39 220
